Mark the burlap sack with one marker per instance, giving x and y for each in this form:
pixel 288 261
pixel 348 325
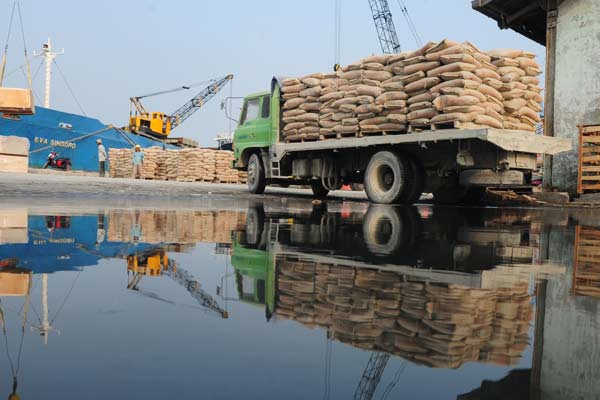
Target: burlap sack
pixel 348 108
pixel 293 113
pixel 380 59
pixel 374 121
pixel 486 73
pixel 392 86
pixel 477 109
pixel 454 67
pixel 345 128
pixel 447 101
pixel 365 99
pixel 496 84
pixel 428 96
pixel 314 91
pixel 344 100
pixel 396 118
pixel 308 117
pixel 419 106
pixel 509 70
pixel 293 103
pixel 463 83
pixel 505 62
pixel 423 66
pixel 394 104
pixel 373 66
pixel 288 96
pixel 314 106
pixel 331 96
pixel 421 114
pixel 489 121
pixel 369 108
pixel 458 49
pixel 364 116
pixel 290 82
pixel 505 53
pixel 350 121
pixel 340 116
pixel 451 117
pixel 457 91
pixel 293 88
pixel 368 90
pixel 490 91
pixel 310 81
pixel 455 58
pixel 448 76
pixel 391 126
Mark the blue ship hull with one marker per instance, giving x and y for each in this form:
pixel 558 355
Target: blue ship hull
pixel 68 134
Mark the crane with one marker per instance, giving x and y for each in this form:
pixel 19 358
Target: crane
pixel 158 264
pixel 385 26
pixel 159 124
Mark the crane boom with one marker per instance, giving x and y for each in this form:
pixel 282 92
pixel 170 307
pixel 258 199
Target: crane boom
pixel 185 111
pixel 371 376
pixel 186 280
pixel 385 26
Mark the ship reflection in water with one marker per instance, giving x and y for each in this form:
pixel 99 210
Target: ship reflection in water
pixel 299 301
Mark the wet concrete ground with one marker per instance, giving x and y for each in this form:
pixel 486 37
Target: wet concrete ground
pixel 219 294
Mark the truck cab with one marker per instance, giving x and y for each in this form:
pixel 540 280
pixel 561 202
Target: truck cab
pixel 254 128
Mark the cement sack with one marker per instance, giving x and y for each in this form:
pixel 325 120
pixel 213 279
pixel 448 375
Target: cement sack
pixel 396 118
pixel 505 53
pixel 309 81
pixel 462 83
pixel 530 80
pixel 421 114
pixel 505 62
pixel 331 96
pixel 311 92
pixel 356 74
pixel 489 121
pixel 529 113
pixel 373 66
pixel 510 70
pixel 534 105
pixel 532 71
pixel 328 123
pixel 511 77
pixel 309 129
pixel 288 96
pixel 511 86
pixel 307 117
pixel 392 86
pixel 394 95
pixel 414 77
pixel 345 100
pixel 513 94
pixel 451 117
pixel 423 97
pixel 293 113
pixel 454 67
pixel 391 126
pixel 362 117
pixel 345 128
pixel 459 58
pixel 365 99
pixel 369 108
pixel 448 76
pixel 293 88
pixel 496 84
pixel 477 109
pixel 368 90
pixel 456 91
pixel 377 75
pixel 373 121
pixel 348 108
pixel 441 46
pixel 490 91
pixel 419 106
pixel 458 49
pixel 340 116
pixel 293 103
pixel 394 104
pixel 423 66
pixel 447 101
pixel 293 125
pixel 310 106
pixel 380 59
pixel 483 73
pixel 290 82
pixel 422 84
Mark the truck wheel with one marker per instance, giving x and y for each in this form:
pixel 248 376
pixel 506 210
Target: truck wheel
pixel 385 178
pixel 319 191
pixel 382 230
pixel 255 222
pixel 256 175
pixel 415 181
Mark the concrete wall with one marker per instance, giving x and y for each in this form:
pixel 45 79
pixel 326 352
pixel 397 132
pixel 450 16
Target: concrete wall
pixel 577 82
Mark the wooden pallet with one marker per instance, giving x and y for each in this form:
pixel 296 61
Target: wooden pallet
pixel 586 265
pixel 588 169
pixel 302 137
pixel 337 135
pixel 455 125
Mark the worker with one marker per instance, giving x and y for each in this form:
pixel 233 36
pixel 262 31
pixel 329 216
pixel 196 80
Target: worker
pixel 138 161
pixel 101 157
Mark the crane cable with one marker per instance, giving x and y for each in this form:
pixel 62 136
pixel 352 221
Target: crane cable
pixel 3 68
pixel 409 22
pixel 337 33
pixel 16 366
pixel 29 80
pixel 64 78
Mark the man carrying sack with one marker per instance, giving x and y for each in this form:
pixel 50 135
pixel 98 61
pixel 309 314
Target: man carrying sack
pixel 101 158
pixel 138 161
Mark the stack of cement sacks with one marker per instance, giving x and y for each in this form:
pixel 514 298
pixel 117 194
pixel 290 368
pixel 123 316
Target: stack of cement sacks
pixel 186 165
pixel 444 84
pixel 435 324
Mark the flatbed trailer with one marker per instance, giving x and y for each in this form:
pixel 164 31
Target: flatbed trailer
pixel 456 165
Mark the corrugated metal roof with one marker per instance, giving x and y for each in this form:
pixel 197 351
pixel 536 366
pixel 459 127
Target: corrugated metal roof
pixel 527 17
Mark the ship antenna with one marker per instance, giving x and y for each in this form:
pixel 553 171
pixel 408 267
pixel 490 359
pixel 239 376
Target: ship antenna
pixel 49 57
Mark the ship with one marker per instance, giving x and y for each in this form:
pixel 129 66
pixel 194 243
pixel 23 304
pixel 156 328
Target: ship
pixel 71 135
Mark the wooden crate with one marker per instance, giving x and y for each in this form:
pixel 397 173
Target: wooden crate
pixel 588 180
pixel 586 271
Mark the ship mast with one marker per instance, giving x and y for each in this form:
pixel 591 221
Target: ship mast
pixel 49 57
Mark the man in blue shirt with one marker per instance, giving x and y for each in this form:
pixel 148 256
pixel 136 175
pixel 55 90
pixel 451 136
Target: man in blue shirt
pixel 138 161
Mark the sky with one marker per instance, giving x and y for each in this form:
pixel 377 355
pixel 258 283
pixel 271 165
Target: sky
pixel 118 49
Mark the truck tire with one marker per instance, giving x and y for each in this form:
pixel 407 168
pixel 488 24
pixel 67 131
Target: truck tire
pixel 319 191
pixel 382 230
pixel 255 223
pixel 256 175
pixel 386 177
pixel 415 181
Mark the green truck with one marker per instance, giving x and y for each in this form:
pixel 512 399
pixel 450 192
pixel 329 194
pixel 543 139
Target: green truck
pixel 453 164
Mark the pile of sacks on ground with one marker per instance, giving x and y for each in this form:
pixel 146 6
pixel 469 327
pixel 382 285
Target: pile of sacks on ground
pixel 185 165
pixel 441 83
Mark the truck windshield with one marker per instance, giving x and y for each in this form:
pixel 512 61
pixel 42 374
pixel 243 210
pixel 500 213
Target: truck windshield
pixel 250 110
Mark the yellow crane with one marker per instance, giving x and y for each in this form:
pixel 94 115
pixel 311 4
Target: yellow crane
pixel 159 124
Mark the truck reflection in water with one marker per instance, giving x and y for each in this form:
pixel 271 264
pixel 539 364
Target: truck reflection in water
pixel 438 290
